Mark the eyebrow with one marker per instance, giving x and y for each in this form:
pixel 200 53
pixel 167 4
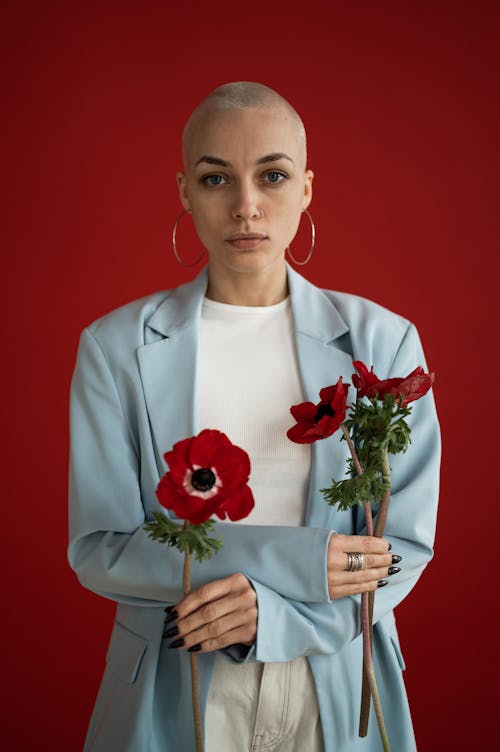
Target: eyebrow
pixel 274 157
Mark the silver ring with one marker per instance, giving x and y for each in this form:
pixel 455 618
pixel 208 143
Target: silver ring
pixel 355 561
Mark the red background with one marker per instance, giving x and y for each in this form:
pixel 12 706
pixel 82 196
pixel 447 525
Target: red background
pixel 400 100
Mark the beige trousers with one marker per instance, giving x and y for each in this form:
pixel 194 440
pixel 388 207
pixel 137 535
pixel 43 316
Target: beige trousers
pixel 256 707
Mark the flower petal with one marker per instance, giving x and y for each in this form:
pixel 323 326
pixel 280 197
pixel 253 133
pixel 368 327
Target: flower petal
pixel 304 433
pixel 232 466
pixel 414 387
pixel 194 509
pixel 304 412
pixel 205 446
pixel 329 393
pixel 365 379
pixel 239 504
pixel 169 492
pixel 381 388
pixel 178 459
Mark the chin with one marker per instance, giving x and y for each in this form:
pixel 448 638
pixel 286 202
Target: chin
pixel 254 263
pixel 248 261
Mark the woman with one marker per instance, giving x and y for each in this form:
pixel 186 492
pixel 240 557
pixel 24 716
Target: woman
pixel 272 616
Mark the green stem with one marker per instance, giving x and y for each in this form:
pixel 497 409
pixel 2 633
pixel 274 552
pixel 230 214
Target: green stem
pixel 366 603
pixel 384 504
pixel 369 683
pixel 193 658
pixel 370 672
pixel 364 713
pixel 352 450
pixel 378 533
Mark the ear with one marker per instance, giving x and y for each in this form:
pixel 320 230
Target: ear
pixel 182 186
pixel 308 180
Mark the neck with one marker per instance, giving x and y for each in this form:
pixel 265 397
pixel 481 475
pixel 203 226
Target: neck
pixel 254 288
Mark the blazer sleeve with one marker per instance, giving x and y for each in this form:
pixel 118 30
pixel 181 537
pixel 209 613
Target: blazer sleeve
pixel 328 627
pixel 109 548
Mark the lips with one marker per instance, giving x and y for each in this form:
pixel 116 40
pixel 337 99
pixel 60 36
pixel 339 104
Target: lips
pixel 245 241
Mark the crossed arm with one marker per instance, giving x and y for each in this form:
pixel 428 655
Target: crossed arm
pixel 225 611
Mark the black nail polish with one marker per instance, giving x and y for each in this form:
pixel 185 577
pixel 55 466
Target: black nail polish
pixel 390 547
pixel 396 558
pixel 194 648
pixel 381 583
pixel 394 570
pixel 171 617
pixel 172 632
pixel 177 643
pixel 168 609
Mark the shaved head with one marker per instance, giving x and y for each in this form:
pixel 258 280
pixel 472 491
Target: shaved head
pixel 240 95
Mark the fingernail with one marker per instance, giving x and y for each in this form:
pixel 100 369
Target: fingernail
pixel 177 643
pixel 381 583
pixel 394 570
pixel 194 648
pixel 396 558
pixel 390 547
pixel 172 632
pixel 172 617
pixel 168 609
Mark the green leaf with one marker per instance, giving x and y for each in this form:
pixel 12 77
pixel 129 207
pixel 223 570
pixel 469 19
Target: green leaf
pixel 376 428
pixel 193 539
pixel 356 490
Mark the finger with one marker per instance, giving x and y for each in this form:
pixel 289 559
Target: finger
pixel 341 591
pixel 377 560
pixel 370 560
pixel 232 637
pixel 352 583
pixel 357 578
pixel 339 562
pixel 215 630
pixel 366 544
pixel 215 610
pixel 209 592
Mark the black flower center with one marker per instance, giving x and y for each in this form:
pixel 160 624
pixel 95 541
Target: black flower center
pixel 203 479
pixel 323 410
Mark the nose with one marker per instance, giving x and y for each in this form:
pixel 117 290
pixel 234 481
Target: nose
pixel 246 204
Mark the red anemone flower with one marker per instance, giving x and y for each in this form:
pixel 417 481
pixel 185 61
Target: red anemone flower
pixel 319 421
pixel 207 475
pixel 411 387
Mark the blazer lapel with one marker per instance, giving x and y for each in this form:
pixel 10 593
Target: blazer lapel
pixel 318 329
pixel 168 366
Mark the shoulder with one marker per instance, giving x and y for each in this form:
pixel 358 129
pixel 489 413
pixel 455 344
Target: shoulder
pixel 376 335
pixel 363 314
pixel 127 321
pixel 322 312
pixel 115 338
pixel 151 318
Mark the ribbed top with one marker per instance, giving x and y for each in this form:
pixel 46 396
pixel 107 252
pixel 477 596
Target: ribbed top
pixel 248 379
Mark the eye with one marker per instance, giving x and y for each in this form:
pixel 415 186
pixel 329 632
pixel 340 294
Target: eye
pixel 213 180
pixel 275 177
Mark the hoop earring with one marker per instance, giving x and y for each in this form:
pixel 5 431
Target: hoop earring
pixel 313 236
pixel 174 244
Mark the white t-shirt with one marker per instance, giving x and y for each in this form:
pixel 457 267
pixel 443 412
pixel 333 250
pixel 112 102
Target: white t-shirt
pixel 248 380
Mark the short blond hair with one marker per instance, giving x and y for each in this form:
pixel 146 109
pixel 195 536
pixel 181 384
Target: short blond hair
pixel 240 95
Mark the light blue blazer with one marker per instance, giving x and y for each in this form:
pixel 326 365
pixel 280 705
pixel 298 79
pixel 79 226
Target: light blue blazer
pixel 134 394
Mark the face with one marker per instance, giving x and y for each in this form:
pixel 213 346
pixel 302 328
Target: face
pixel 246 186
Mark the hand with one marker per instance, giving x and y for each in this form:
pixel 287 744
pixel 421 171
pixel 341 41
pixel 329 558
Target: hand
pixel 215 615
pixel 377 564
